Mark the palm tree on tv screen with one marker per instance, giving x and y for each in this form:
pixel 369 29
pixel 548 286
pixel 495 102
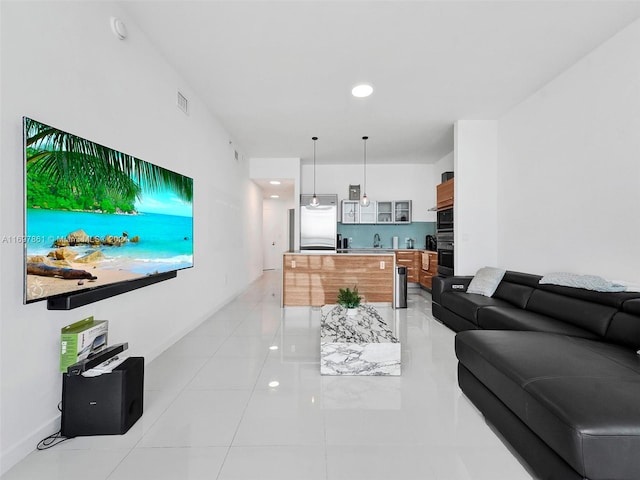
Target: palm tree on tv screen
pixel 85 166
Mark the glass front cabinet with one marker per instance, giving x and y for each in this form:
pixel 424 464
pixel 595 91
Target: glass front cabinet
pixel 368 213
pixel 402 211
pixel 385 212
pixel 389 212
pixel 350 211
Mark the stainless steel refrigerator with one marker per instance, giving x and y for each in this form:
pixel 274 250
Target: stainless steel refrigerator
pixel 318 225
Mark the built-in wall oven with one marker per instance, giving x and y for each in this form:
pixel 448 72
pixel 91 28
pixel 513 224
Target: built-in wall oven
pixel 445 253
pixel 445 220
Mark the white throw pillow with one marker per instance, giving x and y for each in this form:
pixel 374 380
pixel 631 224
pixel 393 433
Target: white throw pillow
pixel 486 281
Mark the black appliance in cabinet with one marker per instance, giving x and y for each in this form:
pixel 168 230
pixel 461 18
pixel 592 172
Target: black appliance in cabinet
pixel 445 220
pixel 445 254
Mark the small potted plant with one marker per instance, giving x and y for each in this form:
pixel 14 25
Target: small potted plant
pixel 349 299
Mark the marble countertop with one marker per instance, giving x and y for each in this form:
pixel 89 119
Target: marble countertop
pixel 366 326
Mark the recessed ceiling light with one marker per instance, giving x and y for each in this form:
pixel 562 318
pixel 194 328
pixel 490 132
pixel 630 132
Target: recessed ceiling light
pixel 275 196
pixel 274 182
pixel 362 90
pixel 274 384
pixel 273 347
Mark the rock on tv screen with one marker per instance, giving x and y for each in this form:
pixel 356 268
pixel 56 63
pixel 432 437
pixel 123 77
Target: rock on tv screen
pixel 95 216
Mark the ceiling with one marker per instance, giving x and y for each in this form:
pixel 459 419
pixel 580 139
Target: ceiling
pixel 284 190
pixel 277 73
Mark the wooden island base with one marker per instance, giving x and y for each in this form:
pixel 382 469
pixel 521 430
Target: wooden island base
pixel 313 279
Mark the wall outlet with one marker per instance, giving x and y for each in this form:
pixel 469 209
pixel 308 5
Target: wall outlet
pixel 293 264
pixel 381 265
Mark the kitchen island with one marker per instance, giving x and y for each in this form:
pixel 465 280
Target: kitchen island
pixel 315 277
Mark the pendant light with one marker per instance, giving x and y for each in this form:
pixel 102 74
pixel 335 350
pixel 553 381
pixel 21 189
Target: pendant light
pixel 364 201
pixel 314 200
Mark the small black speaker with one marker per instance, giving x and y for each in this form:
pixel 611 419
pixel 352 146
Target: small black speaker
pixel 108 404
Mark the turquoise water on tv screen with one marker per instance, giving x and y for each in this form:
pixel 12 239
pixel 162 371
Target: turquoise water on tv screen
pixel 165 241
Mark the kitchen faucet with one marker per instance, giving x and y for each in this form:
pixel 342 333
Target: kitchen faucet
pixel 376 241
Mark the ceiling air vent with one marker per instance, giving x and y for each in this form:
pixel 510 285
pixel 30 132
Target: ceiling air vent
pixel 183 103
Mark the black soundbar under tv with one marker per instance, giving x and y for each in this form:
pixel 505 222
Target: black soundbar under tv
pixel 75 300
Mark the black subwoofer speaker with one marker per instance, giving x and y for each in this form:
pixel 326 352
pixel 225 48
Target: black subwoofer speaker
pixel 108 404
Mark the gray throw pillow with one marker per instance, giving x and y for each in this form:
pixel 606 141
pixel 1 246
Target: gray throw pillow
pixel 486 281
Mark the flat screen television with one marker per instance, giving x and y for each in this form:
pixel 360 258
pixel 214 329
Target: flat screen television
pixel 96 217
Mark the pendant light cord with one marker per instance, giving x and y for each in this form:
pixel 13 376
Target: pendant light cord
pixel 314 200
pixel 314 165
pixel 365 164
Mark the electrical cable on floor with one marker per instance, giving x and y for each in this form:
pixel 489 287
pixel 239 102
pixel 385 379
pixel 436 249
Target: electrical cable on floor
pixel 52 440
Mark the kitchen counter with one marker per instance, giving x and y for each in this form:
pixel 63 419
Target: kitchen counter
pixel 348 251
pixel 357 251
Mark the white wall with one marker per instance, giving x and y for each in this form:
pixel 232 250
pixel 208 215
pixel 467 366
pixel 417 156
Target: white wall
pixel 288 167
pixel 569 169
pixel 475 198
pixel 62 65
pixel 445 164
pixel 416 182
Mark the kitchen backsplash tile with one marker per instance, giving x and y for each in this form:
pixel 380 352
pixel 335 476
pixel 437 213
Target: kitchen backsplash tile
pixel 362 235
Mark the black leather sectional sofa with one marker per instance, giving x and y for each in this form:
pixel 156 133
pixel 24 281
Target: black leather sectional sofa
pixel 554 369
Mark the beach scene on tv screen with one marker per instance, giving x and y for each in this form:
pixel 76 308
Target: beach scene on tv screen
pixel 95 216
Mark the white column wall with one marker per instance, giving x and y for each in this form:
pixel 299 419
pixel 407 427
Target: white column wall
pixel 475 195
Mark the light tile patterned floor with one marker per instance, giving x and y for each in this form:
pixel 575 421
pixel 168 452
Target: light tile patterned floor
pixel 210 413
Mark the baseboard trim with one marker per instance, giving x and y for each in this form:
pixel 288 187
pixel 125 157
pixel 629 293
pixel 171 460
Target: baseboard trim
pixel 19 450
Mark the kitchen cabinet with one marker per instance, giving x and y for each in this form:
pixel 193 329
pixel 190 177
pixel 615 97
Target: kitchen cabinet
pixel 444 194
pixel 385 212
pixel 390 212
pixel 398 211
pixel 350 211
pixel 368 214
pixel 409 259
pixel 402 211
pixel 428 268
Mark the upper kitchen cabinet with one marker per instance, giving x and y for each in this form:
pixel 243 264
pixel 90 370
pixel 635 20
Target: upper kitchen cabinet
pixel 385 212
pixel 444 194
pixel 402 211
pixel 389 212
pixel 350 211
pixel 398 211
pixel 368 214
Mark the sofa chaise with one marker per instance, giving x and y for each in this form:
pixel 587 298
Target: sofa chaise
pixel 554 369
